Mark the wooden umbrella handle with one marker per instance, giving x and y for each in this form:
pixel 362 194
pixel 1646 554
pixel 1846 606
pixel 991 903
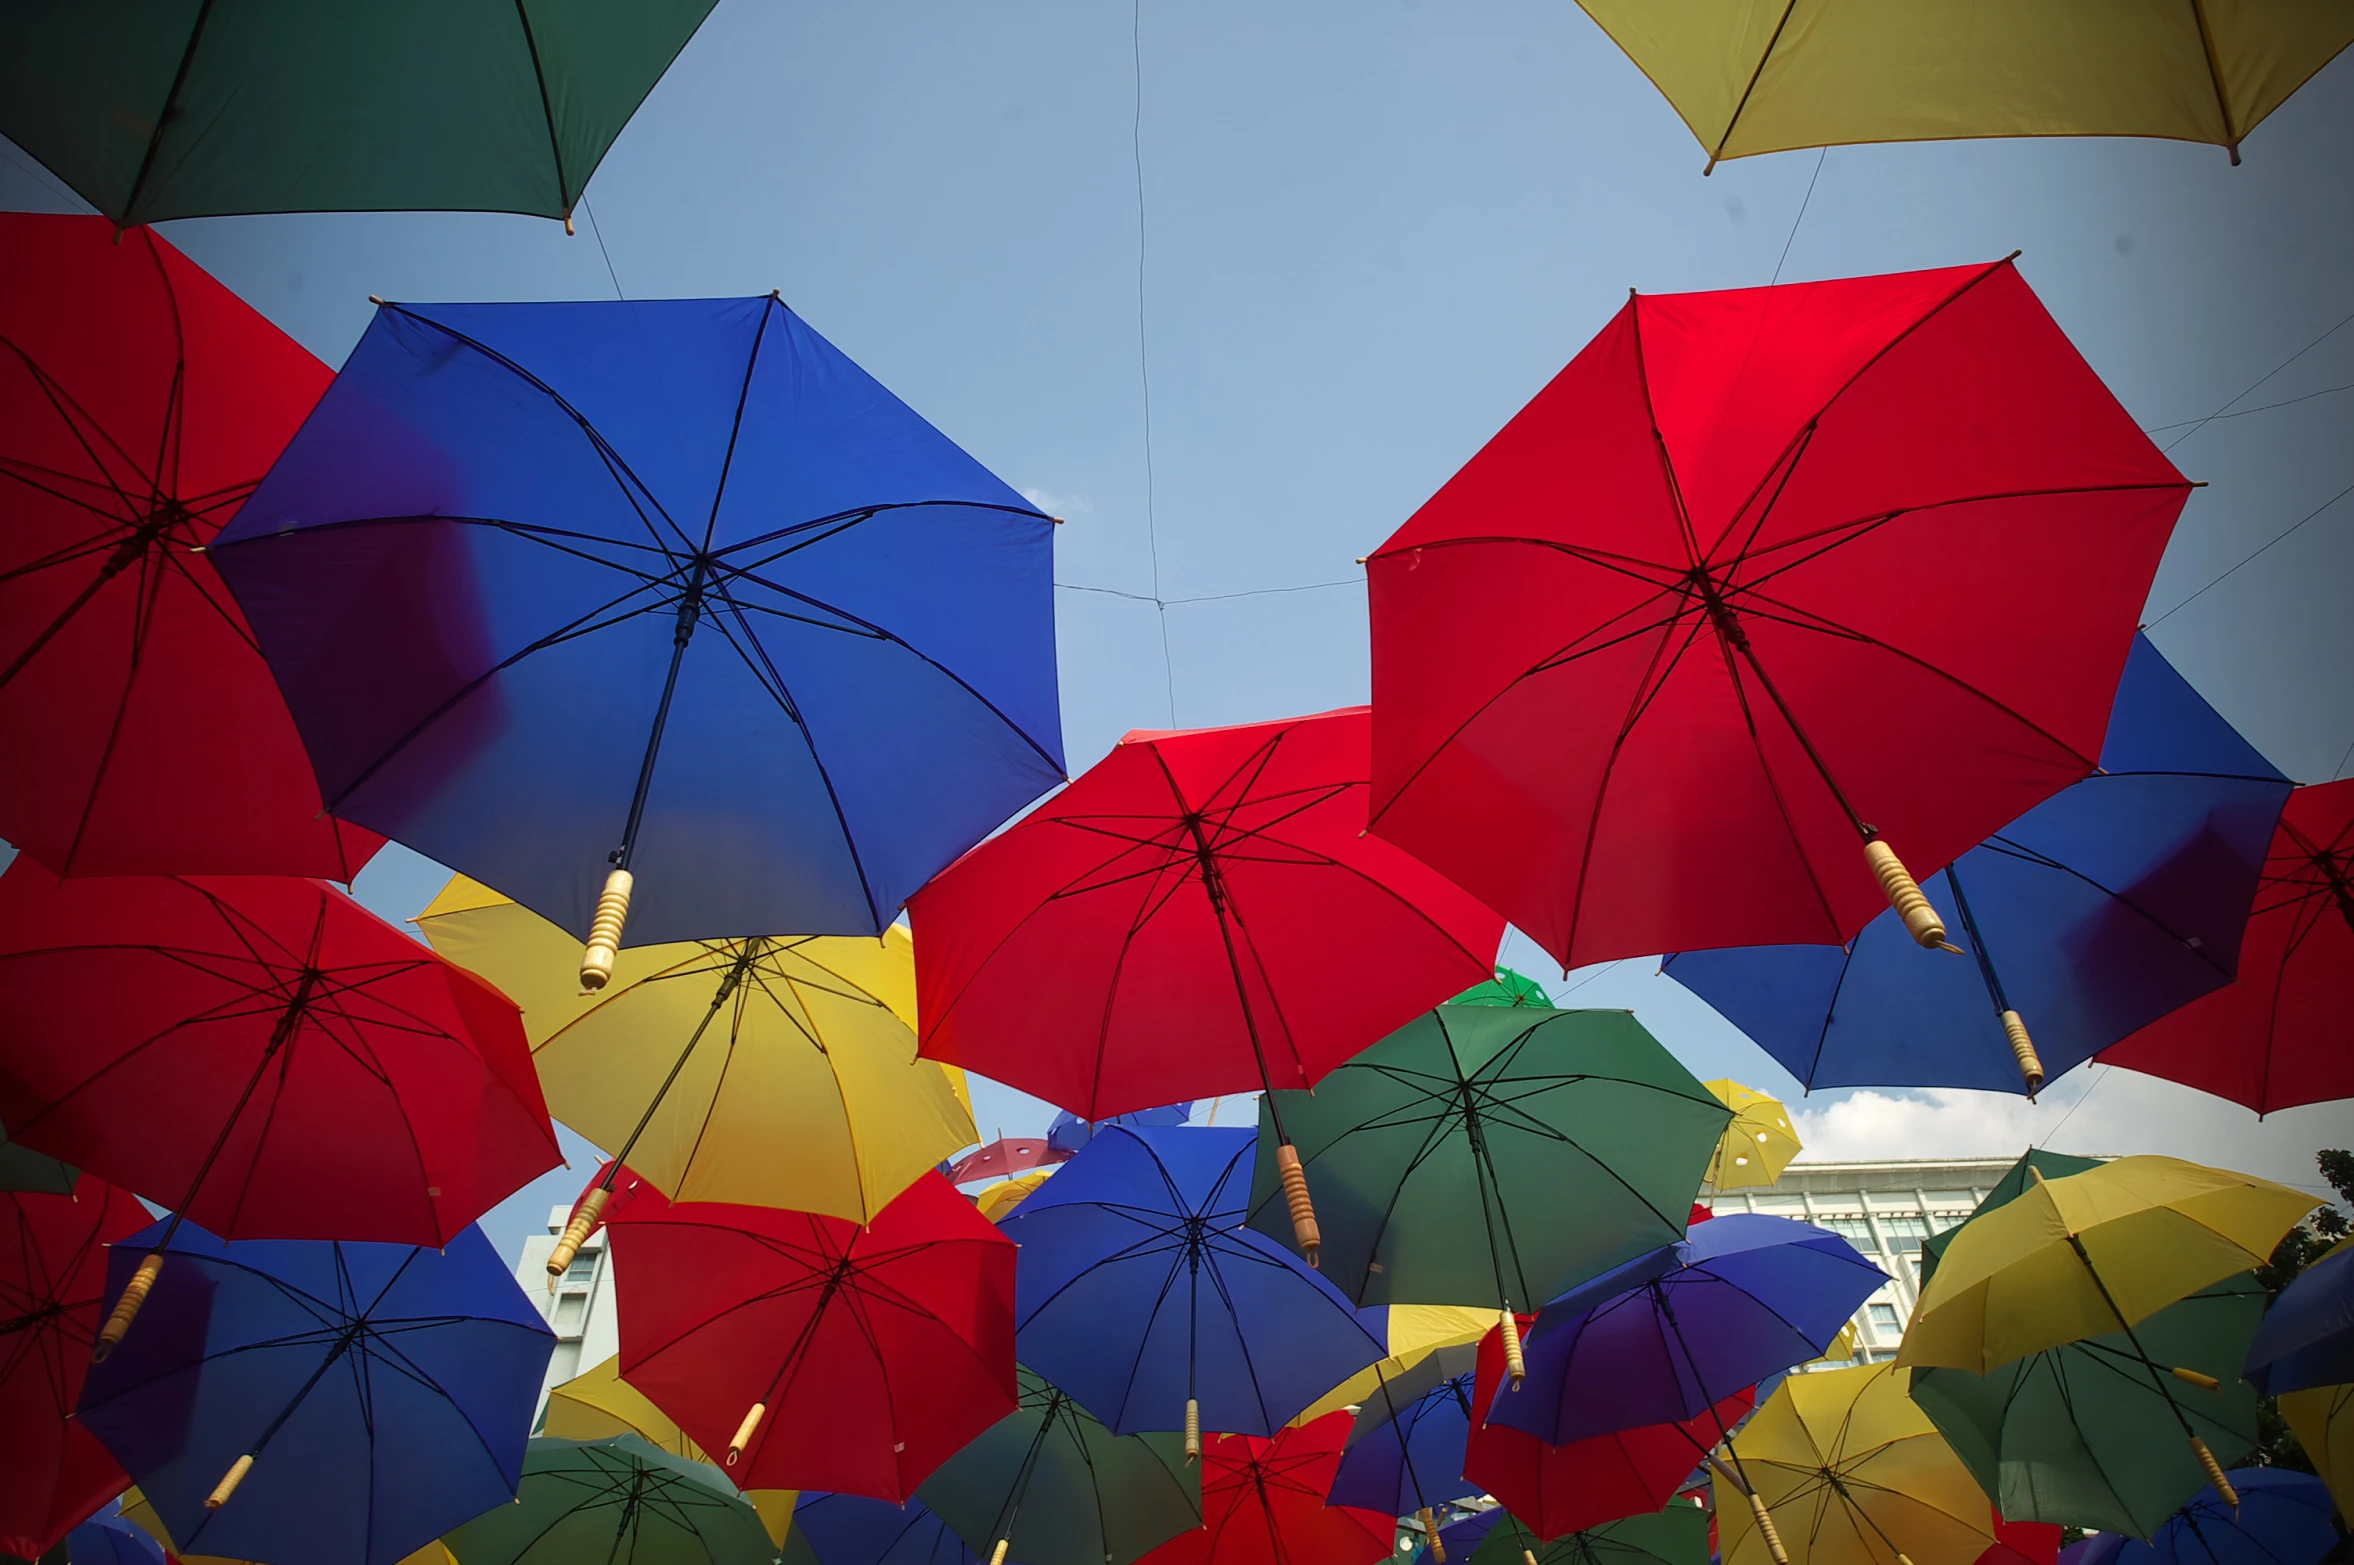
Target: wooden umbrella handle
pixel 1921 920
pixel 1766 1528
pixel 604 941
pixel 126 1308
pixel 2231 1496
pixel 1295 1194
pixel 1193 1431
pixel 229 1482
pixel 997 1555
pixel 1430 1530
pixel 576 1233
pixel 2205 1382
pixel 1515 1363
pixel 743 1435
pixel 2023 1050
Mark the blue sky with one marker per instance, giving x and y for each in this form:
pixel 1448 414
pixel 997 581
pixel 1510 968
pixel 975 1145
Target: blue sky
pixel 1371 231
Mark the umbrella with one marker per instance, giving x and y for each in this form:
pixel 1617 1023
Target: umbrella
pixel 1857 1475
pixel 2035 1165
pixel 2022 1543
pixel 307 1402
pixel 1506 988
pixel 1853 572
pixel 773 1071
pixel 1144 1297
pixel 617 1500
pixel 849 1529
pixel 998 1201
pixel 1069 1132
pixel 2322 1418
pixel 2104 907
pixel 1757 1145
pixel 814 1353
pixel 598 1404
pixel 1003 1158
pixel 1263 1504
pixel 2280 1518
pixel 2279 1036
pixel 1057 1488
pixel 263 1054
pixel 1752 79
pixel 1167 926
pixel 111 1540
pixel 1493 1155
pixel 142 1515
pixel 21 1168
pixel 1405 1451
pixel 480 570
pixel 53 1471
pixel 2307 1338
pixel 140 402
pixel 1412 1333
pixel 1676 1535
pixel 1744 1297
pixel 258 106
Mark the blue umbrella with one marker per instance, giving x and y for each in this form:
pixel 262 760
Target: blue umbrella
pixel 1069 1132
pixel 1741 1298
pixel 1142 1295
pixel 670 587
pixel 2307 1338
pixel 2283 1518
pixel 110 1540
pixel 307 1402
pixel 2095 913
pixel 1406 1452
pixel 850 1529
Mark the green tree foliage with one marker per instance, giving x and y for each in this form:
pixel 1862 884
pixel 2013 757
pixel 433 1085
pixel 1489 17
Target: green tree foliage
pixel 2276 1443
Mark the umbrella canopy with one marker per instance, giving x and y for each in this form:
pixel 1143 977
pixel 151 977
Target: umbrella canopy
pixel 1677 1535
pixel 2022 1543
pixel 1002 1158
pixel 1853 572
pixel 1069 1132
pixel 267 106
pixel 1751 79
pixel 140 402
pixel 1757 1145
pixel 2307 1338
pixel 1263 1504
pixel 308 1402
pixel 1744 1297
pixel 598 1404
pixel 2281 1035
pixel 142 1515
pixel 1845 1470
pixel 1058 1488
pixel 849 1529
pixel 111 1540
pixel 2281 1518
pixel 2101 909
pixel 53 1471
pixel 1412 1332
pixel 1492 1155
pixel 21 1168
pixel 1405 1450
pixel 1144 1297
pixel 998 1201
pixel 572 597
pixel 2035 1165
pixel 615 1499
pixel 814 1353
pixel 2322 1418
pixel 1506 988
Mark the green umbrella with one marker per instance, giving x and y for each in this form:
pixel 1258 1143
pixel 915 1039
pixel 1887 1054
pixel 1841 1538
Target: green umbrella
pixel 1675 1536
pixel 21 1168
pixel 617 1500
pixel 195 108
pixel 1062 1489
pixel 1507 988
pixel 2052 1165
pixel 1494 1156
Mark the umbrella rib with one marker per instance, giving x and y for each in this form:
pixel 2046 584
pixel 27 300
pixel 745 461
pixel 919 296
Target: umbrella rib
pixel 83 425
pixel 150 588
pixel 2008 849
pixel 1772 780
pixel 827 528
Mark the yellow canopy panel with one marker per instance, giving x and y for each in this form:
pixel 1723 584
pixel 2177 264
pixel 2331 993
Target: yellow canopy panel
pixel 598 1404
pixel 1416 1331
pixel 1758 1143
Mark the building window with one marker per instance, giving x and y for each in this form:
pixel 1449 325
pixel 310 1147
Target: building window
pixel 1884 1319
pixel 571 1310
pixel 1904 1230
pixel 1855 1230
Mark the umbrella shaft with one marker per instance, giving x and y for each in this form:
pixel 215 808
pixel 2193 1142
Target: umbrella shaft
pixel 690 610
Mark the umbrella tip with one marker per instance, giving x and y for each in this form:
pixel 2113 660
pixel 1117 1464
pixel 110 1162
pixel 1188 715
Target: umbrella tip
pixel 379 303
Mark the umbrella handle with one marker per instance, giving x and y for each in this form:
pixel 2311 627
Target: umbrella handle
pixel 997 1555
pixel 1430 1530
pixel 2231 1496
pixel 1528 1557
pixel 2203 1382
pixel 2023 1047
pixel 1767 1530
pixel 229 1482
pixel 1515 1364
pixel 1295 1193
pixel 576 1233
pixel 1193 1431
pixel 126 1308
pixel 1921 921
pixel 604 941
pixel 743 1435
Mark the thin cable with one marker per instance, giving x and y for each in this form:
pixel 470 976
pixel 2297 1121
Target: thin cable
pixel 2106 1071
pixel 1804 201
pixel 1152 537
pixel 2263 407
pixel 2279 537
pixel 2260 380
pixel 1214 597
pixel 599 235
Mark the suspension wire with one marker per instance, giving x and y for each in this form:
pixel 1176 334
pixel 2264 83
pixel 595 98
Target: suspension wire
pixel 1152 537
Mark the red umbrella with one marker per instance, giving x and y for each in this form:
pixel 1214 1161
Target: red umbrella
pixel 264 1055
pixel 1263 1504
pixel 2283 1034
pixel 1008 1155
pixel 2022 1543
pixel 1557 1489
pixel 140 402
pixel 814 1353
pixel 53 1472
pixel 1762 578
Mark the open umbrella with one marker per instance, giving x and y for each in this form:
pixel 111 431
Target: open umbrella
pixel 2101 909
pixel 53 1471
pixel 2278 1518
pixel 1405 1451
pixel 813 1353
pixel 998 1201
pixel 1263 1504
pixel 21 1168
pixel 1055 1487
pixel 1677 1535
pixel 598 1404
pixel 1146 1299
pixel 850 1529
pixel 1003 1158
pixel 1492 1155
pixel 618 1499
pixel 2307 1338
pixel 1852 571
pixel 2281 1034
pixel 1506 988
pixel 1201 912
pixel 140 402
pixel 1757 1145
pixel 1412 1333
pixel 2322 1417
pixel 1069 1132
pixel 111 1540
pixel 266 106
pixel 773 1071
pixel 262 1054
pixel 573 596
pixel 307 1402
pixel 1748 79
pixel 142 1515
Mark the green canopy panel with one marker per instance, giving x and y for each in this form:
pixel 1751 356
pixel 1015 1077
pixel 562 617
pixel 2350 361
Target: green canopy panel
pixel 1675 1536
pixel 620 1499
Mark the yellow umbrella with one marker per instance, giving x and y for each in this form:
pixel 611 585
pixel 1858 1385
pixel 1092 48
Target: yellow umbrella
pixel 2323 1419
pixel 598 1404
pixel 773 1071
pixel 998 1201
pixel 1751 76
pixel 1759 1142
pixel 1415 1332
pixel 142 1515
pixel 1843 1469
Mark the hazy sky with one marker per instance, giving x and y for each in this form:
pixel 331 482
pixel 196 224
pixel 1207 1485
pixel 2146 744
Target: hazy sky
pixel 1371 231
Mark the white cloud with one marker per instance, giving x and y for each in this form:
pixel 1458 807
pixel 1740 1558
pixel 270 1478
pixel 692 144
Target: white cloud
pixel 1054 504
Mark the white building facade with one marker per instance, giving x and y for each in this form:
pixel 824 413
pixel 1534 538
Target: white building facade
pixel 579 1307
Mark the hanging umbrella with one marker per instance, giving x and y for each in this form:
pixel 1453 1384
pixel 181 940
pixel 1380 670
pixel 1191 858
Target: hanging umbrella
pixel 21 1168
pixel 1002 1159
pixel 617 1500
pixel 142 1515
pixel 2279 1518
pixel 1167 926
pixel 773 1071
pixel 256 106
pixel 1069 1132
pixel 1757 1145
pixel 1752 79
pixel 2280 1036
pixel 849 1529
pixel 1263 1504
pixel 264 1055
pixel 2035 1165
pixel 1405 1451
pixel 598 1404
pixel 1412 1333
pixel 1144 1297
pixel 1844 1470
pixel 53 1471
pixel 111 1540
pixel 2322 1418
pixel 480 570
pixel 811 1352
pixel 140 402
pixel 2022 1543
pixel 1506 988
pixel 2099 910
pixel 1677 1535
pixel 308 1402
pixel 1493 1155
pixel 1055 1487
pixel 2307 1338
pixel 1853 571
pixel 998 1202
